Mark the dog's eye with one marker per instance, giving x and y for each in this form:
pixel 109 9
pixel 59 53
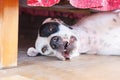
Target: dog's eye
pixel 44 49
pixel 51 28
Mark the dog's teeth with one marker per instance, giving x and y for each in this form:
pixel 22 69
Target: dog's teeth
pixel 65 50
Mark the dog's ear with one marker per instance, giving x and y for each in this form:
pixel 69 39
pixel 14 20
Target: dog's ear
pixel 47 20
pixel 49 28
pixel 73 39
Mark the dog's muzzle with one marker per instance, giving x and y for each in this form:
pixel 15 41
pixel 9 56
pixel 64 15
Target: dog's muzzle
pixel 64 47
pixel 61 46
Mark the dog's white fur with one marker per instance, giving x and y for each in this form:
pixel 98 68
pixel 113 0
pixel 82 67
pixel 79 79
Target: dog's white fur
pixel 96 34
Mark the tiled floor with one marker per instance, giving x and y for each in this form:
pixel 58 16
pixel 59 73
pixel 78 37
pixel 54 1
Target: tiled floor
pixel 15 77
pixel 84 67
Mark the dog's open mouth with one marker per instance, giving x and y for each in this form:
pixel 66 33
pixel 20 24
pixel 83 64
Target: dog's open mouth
pixel 66 51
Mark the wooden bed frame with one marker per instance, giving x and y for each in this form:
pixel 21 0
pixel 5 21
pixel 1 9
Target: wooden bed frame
pixel 8 33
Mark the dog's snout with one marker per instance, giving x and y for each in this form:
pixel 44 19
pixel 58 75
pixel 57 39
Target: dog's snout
pixel 55 42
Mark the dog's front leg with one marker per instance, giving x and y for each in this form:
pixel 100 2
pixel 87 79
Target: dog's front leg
pixel 32 52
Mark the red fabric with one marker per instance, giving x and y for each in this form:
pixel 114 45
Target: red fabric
pixel 110 5
pixel 86 3
pixel 103 5
pixel 44 3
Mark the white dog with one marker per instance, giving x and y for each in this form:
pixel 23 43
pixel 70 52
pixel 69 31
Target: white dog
pixel 96 34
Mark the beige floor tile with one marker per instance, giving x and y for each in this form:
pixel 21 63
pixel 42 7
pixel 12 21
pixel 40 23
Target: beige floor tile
pixel 15 77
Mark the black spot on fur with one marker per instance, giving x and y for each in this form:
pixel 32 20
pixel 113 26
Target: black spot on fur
pixel 39 54
pixel 48 28
pixel 70 27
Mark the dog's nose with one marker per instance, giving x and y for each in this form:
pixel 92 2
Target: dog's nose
pixel 56 42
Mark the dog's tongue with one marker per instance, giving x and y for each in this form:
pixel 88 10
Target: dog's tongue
pixel 66 55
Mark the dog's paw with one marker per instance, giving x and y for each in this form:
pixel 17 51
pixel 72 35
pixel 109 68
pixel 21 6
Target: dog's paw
pixel 32 52
pixel 74 54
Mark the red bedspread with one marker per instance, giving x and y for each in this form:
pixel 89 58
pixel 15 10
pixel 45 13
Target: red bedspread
pixel 44 3
pixel 103 5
